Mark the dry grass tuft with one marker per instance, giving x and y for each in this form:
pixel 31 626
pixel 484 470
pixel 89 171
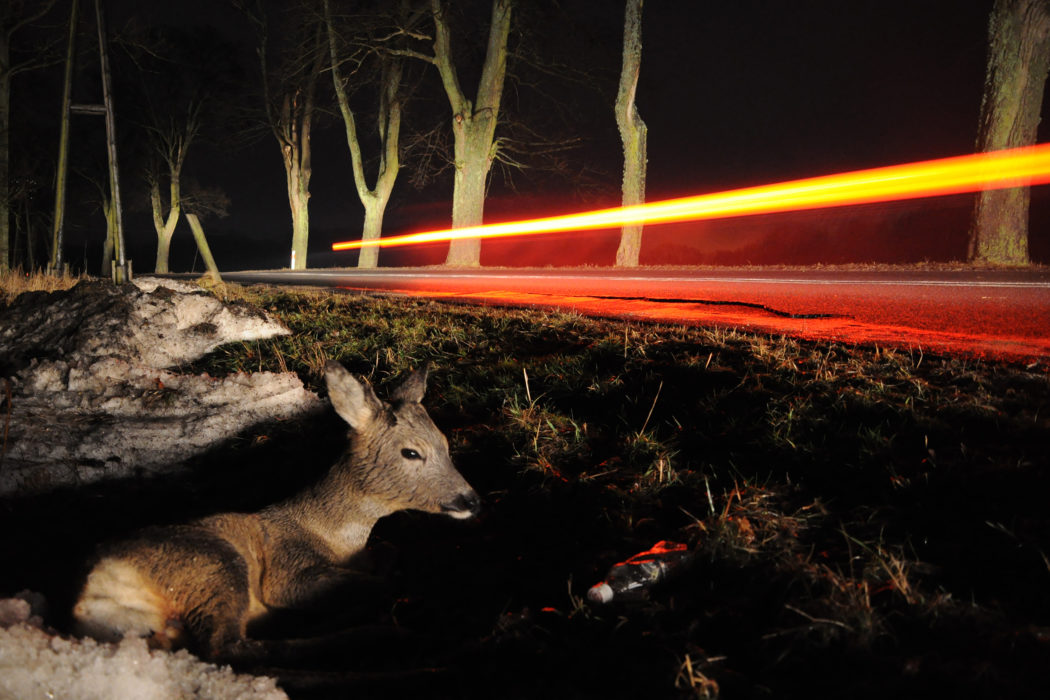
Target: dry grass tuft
pixel 15 282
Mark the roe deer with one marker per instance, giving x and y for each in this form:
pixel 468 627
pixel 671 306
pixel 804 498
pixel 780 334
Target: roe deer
pixel 201 583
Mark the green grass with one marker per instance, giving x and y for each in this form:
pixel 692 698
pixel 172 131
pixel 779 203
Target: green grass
pixel 868 522
pixel 866 518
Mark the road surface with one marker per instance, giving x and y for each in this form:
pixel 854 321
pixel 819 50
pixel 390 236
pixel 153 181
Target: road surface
pixel 1001 314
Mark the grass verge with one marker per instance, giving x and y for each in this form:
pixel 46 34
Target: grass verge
pixel 868 522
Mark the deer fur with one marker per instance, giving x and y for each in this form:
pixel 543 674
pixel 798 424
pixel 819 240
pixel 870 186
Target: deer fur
pixel 200 584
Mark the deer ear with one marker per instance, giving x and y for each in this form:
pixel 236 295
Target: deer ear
pixel 413 387
pixel 354 401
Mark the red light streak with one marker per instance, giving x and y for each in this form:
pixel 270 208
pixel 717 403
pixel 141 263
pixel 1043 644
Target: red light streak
pixel 970 173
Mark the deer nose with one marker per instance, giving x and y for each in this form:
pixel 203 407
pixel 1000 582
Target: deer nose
pixel 465 505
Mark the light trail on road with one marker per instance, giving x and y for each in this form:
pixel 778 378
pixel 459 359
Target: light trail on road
pixel 970 173
pixel 999 313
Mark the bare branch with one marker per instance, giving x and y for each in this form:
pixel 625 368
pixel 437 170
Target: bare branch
pixel 431 153
pixel 490 87
pixel 27 66
pixel 408 53
pixel 401 31
pixel 17 24
pixel 205 201
pixel 443 61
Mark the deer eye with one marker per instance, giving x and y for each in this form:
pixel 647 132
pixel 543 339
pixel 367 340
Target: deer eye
pixel 409 453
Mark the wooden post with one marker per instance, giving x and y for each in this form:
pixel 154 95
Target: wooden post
pixel 55 263
pixel 202 246
pixel 122 271
pixel 111 143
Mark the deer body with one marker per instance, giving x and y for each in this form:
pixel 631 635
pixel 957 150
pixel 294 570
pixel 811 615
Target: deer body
pixel 200 584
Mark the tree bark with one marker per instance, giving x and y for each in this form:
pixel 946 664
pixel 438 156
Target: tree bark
pixel 371 230
pixel 1018 61
pixel 473 125
pixel 633 133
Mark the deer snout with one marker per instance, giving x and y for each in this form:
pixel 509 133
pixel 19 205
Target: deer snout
pixel 463 506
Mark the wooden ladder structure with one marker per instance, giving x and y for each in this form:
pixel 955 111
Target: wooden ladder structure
pixel 120 266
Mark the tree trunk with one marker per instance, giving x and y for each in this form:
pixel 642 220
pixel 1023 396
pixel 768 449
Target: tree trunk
pixel 299 203
pixel 374 200
pixel 633 133
pixel 295 147
pixel 165 226
pixel 1018 61
pixel 368 256
pixel 474 125
pixel 163 248
pixel 468 195
pixel 291 122
pixel 109 246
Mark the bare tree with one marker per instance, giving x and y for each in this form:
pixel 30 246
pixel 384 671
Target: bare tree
pixel 105 205
pixel 15 16
pixel 171 143
pixel 289 97
pixel 1018 61
pixel 181 75
pixel 23 190
pixel 633 133
pixel 373 199
pixel 473 121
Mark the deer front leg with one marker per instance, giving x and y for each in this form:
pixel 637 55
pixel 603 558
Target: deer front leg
pixel 301 579
pixel 314 599
pixel 321 586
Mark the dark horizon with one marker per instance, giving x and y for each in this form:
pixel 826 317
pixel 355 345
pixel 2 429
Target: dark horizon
pixel 734 94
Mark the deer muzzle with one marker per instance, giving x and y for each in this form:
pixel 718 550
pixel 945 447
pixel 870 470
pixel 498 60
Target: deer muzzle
pixel 463 506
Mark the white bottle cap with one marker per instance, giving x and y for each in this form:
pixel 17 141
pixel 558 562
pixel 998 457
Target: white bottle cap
pixel 600 593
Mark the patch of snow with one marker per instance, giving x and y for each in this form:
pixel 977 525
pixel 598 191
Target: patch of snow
pixel 36 664
pixel 94 395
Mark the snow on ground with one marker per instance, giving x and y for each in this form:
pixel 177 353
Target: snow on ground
pixel 35 664
pixel 94 391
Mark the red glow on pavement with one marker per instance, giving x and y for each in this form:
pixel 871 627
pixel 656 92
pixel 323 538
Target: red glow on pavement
pixel 970 173
pixel 936 337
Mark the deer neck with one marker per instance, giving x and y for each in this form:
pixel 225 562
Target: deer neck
pixel 339 516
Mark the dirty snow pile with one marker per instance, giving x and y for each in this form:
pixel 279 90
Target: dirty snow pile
pixel 90 382
pixel 35 664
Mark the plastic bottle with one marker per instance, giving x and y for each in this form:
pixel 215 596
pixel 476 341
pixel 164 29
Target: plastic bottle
pixel 632 579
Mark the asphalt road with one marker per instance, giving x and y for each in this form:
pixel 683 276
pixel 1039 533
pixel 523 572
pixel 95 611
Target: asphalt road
pixel 1001 314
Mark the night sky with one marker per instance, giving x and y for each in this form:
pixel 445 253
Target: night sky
pixel 734 94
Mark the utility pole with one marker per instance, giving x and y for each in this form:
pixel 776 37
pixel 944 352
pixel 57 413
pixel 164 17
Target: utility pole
pixel 120 266
pixel 56 265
